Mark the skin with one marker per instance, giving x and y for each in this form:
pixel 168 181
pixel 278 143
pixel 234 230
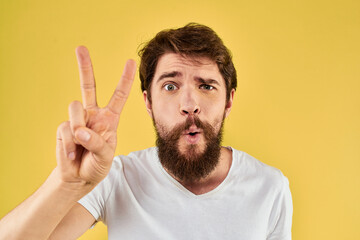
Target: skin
pixel 86 145
pixel 84 152
pixel 183 88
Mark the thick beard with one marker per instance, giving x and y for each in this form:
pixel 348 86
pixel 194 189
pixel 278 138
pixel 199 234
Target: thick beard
pixel 192 165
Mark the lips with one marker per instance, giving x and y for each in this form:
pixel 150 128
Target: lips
pixel 192 135
pixel 193 130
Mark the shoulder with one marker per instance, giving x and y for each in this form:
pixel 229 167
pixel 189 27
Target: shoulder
pixel 251 168
pixel 134 159
pixel 136 163
pixel 127 168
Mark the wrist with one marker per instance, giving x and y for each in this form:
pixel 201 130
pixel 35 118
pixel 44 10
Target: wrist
pixel 72 190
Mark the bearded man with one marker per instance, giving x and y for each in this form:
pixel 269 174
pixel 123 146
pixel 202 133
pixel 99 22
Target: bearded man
pixel 188 187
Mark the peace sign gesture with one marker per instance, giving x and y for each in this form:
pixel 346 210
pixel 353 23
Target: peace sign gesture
pixel 86 143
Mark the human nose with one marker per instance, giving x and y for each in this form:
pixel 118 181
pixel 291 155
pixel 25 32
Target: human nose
pixel 189 104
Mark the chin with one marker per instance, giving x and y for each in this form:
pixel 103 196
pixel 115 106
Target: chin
pixel 191 151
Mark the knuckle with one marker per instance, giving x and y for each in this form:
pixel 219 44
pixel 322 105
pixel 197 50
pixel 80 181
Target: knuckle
pixel 63 126
pixel 87 86
pixel 127 78
pixel 73 105
pixel 70 145
pixel 97 144
pixel 86 67
pixel 120 94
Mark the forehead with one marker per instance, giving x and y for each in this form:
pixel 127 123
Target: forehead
pixel 187 64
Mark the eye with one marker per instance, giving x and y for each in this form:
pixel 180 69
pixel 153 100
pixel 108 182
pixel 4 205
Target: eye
pixel 170 87
pixel 206 87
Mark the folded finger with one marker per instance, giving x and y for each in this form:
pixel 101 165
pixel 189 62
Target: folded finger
pixel 68 143
pixel 60 152
pixel 65 145
pixel 76 116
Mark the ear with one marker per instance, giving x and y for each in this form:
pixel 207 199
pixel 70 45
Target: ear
pixel 228 105
pixel 147 103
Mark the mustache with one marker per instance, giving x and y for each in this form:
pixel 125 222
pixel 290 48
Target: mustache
pixel 178 130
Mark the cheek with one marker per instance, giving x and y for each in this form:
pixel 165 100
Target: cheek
pixel 164 109
pixel 218 122
pixel 165 103
pixel 215 115
pixel 213 109
pixel 165 114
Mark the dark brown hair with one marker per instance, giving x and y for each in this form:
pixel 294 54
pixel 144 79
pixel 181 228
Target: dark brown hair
pixel 192 40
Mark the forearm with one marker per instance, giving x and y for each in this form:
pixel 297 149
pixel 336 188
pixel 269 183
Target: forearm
pixel 38 215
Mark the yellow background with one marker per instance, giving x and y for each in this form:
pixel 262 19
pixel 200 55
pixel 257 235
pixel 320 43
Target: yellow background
pixel 297 106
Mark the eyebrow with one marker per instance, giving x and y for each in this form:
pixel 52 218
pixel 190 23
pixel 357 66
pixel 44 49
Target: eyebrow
pixel 207 81
pixel 169 75
pixel 177 74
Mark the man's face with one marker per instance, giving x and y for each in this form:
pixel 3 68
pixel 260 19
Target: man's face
pixel 188 103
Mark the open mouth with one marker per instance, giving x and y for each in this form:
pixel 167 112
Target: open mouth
pixel 193 136
pixel 193 133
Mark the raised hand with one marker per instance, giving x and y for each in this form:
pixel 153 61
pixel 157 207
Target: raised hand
pixel 86 143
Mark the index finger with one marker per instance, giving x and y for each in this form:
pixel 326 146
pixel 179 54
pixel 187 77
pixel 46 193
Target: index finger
pixel 87 80
pixel 123 88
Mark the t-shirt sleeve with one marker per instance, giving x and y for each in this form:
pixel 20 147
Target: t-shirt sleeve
pixel 95 201
pixel 283 211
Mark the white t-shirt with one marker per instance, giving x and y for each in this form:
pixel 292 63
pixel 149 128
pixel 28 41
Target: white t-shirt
pixel 140 200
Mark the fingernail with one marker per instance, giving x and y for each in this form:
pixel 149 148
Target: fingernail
pixel 83 135
pixel 71 155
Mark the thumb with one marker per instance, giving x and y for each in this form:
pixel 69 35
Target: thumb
pixel 94 143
